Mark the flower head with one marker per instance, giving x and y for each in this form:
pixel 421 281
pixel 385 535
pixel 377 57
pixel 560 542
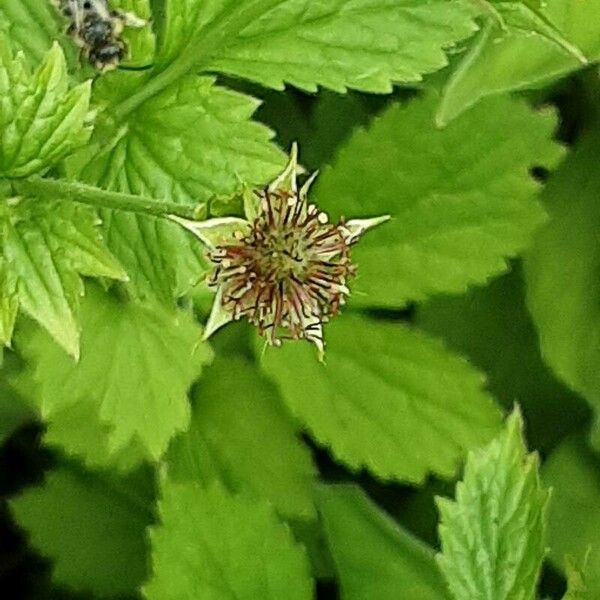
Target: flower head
pixel 285 268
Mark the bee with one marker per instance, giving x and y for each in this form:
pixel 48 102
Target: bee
pixel 97 30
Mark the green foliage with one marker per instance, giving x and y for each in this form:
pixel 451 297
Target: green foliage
pixel 240 434
pixel 561 273
pixel 361 44
pixel 30 25
pixel 374 557
pixel 511 57
pixel 491 326
pixel 92 524
pixel 577 588
pixel 458 210
pixel 423 392
pixel 213 545
pixel 574 515
pixel 283 474
pixel 138 387
pixel 46 247
pixel 42 120
pixel 493 533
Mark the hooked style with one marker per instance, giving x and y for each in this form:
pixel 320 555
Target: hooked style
pixel 286 267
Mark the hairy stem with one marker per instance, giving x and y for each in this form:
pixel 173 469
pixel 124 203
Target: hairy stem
pixel 60 189
pixel 198 53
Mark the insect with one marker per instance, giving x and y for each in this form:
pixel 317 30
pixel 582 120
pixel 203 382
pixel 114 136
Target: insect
pixel 97 30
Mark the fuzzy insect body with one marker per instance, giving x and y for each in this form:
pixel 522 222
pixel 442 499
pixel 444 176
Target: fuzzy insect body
pixel 97 30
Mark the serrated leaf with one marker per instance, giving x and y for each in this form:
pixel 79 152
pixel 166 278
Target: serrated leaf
pixel 241 435
pixel 192 141
pixel 492 534
pixel 458 208
pixel 213 545
pixel 339 44
pixel 574 513
pixel 561 274
pixel 92 525
pixel 501 60
pixel 41 119
pixel 374 556
pixel 46 247
pixel 383 387
pixel 137 363
pixel 30 26
pixel 491 326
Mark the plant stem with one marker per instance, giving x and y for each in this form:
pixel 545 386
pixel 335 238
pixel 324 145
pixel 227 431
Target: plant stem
pixel 198 54
pixel 60 189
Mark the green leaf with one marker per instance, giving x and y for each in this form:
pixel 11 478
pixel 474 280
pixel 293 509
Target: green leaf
pixel 46 246
pixel 374 556
pixel 383 387
pixel 92 525
pixel 213 545
pixel 577 588
pixel 574 514
pixel 141 41
pixel 9 301
pixel 42 120
pixel 242 436
pixel 491 326
pixel 192 141
pixel 493 533
pixel 461 199
pixel 561 269
pixel 137 363
pixel 339 44
pixel 30 25
pixel 501 60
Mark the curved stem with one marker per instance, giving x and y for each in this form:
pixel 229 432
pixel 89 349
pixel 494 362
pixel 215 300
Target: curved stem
pixel 61 189
pixel 198 53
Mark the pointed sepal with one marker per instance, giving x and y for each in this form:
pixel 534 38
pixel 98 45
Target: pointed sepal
pixel 215 232
pixel 218 316
pixel 354 229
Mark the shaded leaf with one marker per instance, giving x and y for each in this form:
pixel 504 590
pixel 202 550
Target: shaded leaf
pixel 92 525
pixel 375 557
pixel 574 514
pixel 241 435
